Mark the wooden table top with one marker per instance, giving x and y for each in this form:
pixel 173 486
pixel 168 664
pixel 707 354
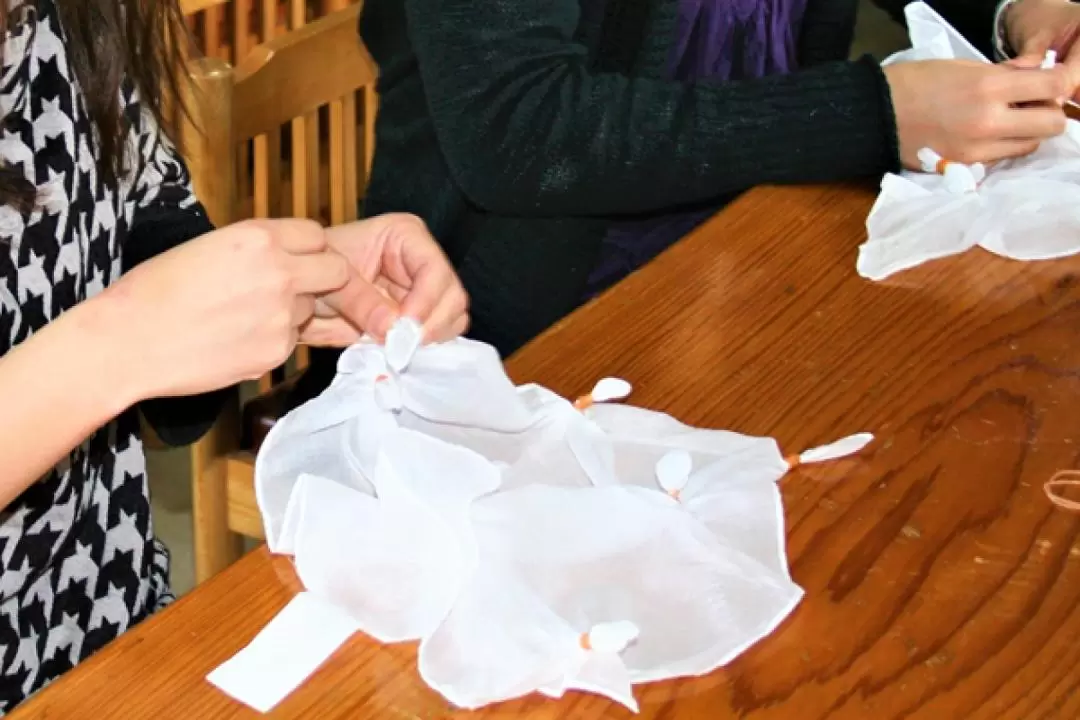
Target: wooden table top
pixel 940 581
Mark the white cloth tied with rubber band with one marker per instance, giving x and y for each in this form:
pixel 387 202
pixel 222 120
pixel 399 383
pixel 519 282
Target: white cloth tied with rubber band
pixel 1025 209
pixel 528 543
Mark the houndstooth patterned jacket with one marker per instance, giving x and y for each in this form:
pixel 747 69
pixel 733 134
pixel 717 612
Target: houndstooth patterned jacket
pixel 79 563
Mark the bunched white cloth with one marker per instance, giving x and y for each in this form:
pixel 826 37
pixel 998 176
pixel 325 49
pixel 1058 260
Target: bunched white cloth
pixel 529 543
pixel 1024 209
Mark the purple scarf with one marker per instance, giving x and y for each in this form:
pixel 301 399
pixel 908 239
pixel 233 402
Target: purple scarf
pixel 715 40
pixel 735 39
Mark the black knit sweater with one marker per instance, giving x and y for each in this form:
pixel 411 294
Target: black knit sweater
pixel 518 129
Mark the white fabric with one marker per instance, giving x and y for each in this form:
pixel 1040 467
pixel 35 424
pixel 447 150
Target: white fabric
pixel 527 545
pixel 1024 209
pixel 266 671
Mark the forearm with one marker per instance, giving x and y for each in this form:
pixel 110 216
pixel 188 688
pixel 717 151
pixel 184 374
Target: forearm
pixel 57 388
pixel 601 150
pixel 527 128
pixel 158 229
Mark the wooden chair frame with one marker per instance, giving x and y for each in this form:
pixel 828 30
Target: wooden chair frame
pixel 282 82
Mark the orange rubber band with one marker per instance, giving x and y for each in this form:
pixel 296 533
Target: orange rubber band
pixel 584 402
pixel 941 165
pixel 1063 478
pixel 584 642
pixel 382 378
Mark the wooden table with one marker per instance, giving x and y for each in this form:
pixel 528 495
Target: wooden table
pixel 940 581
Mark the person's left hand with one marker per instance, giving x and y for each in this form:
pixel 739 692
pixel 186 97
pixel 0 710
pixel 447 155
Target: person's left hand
pixel 397 254
pixel 1035 26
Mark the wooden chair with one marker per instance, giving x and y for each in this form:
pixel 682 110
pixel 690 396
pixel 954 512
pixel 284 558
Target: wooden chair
pixel 283 82
pixel 230 29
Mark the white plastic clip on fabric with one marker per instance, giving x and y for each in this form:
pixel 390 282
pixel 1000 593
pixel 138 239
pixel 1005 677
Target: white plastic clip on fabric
pixel 612 637
pixel 673 472
pixel 402 342
pixel 1024 209
pixel 959 178
pixel 530 544
pixel 607 390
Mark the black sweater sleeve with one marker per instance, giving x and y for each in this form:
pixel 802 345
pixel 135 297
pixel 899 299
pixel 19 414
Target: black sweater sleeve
pixel 528 129
pixel 166 216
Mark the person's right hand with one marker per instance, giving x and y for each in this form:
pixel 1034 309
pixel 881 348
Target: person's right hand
pixel 396 253
pixel 227 306
pixel 975 112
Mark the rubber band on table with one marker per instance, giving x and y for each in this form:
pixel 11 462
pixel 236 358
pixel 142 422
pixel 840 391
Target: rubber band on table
pixel 1063 479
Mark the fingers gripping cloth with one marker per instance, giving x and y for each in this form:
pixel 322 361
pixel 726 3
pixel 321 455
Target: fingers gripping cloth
pixel 1027 208
pixel 530 544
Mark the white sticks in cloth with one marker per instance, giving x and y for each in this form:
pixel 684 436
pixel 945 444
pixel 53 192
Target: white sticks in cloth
pixel 529 543
pixel 1024 209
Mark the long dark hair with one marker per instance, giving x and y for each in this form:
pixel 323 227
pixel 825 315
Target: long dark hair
pixel 109 43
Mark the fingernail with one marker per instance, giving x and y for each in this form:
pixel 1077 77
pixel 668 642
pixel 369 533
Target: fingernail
pixel 425 331
pixel 382 319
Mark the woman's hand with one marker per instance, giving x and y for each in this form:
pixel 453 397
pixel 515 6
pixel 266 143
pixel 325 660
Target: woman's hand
pixel 231 305
pixel 1035 26
pixel 975 112
pixel 397 254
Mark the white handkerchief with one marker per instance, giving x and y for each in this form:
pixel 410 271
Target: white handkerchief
pixel 1024 209
pixel 932 38
pixel 296 642
pixel 530 544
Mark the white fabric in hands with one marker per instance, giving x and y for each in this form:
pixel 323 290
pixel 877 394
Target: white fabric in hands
pixel 528 545
pixel 1024 209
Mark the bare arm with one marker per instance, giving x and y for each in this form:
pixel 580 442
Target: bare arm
pixel 56 389
pixel 167 215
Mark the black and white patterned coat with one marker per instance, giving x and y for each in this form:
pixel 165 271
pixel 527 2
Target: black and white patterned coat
pixel 79 563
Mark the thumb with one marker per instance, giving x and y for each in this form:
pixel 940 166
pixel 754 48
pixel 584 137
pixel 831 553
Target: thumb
pixel 1072 67
pixel 364 306
pixel 1027 61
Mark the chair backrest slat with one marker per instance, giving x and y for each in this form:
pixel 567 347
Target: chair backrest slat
pixel 287 77
pixel 283 83
pixel 190 7
pixel 229 29
pixel 207 138
pixel 243 40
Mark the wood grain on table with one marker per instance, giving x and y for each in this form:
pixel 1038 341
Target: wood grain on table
pixel 940 581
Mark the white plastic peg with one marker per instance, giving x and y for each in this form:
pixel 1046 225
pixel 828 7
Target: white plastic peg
pixel 610 637
pixel 959 178
pixel 402 342
pixel 607 390
pixel 610 389
pixel 673 472
pixel 836 450
pixel 1050 61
